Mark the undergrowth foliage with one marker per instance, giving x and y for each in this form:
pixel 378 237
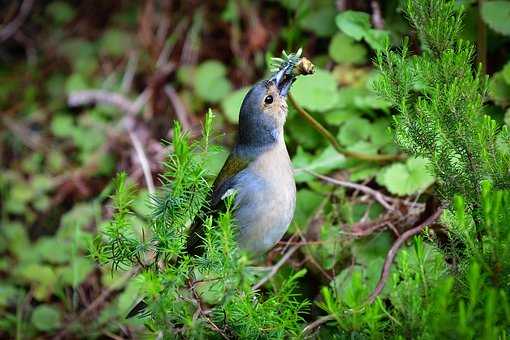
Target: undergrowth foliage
pixel 440 101
pixel 193 297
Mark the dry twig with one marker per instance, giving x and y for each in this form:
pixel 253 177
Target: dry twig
pixel 378 196
pixel 11 28
pixel 394 249
pixel 89 97
pixel 179 108
pixel 277 266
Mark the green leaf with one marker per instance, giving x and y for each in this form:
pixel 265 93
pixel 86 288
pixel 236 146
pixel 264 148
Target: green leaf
pixel 303 134
pixel 53 250
pixel 326 161
pixel 62 126
pixel 320 21
pixel 406 179
pixel 496 15
pixel 506 73
pixel 341 115
pixel 344 49
pixel 370 249
pixel 46 318
pixel 8 294
pixel 377 39
pixel 16 238
pixel 354 24
pixel 499 89
pixel 357 25
pixel 231 104
pixel 317 92
pixel 354 130
pixel 210 81
pixel 116 43
pixel 60 11
pixel 380 133
pixel 76 82
pixel 78 270
pixel 306 203
pixel 42 277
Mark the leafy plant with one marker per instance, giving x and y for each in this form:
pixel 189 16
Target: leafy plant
pixel 440 104
pixel 193 296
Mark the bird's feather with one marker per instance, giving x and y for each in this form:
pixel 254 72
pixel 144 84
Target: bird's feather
pixel 224 181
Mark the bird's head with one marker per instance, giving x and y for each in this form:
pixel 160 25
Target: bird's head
pixel 264 110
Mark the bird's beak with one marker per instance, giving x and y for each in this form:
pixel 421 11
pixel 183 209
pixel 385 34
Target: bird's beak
pixel 283 81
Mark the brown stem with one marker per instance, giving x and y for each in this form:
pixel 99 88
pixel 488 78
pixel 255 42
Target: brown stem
pixel 394 249
pixel 481 39
pixel 334 143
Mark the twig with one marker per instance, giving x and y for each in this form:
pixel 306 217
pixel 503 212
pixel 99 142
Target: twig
pixel 334 143
pixel 394 249
pixel 129 75
pixel 377 18
pixel 318 322
pixel 276 267
pixel 99 300
pixel 130 108
pixel 179 108
pixel 144 162
pixel 15 24
pixel 30 139
pixel 481 39
pixel 379 197
pixel 170 43
pixel 89 97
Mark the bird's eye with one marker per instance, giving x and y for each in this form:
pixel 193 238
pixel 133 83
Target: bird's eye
pixel 268 99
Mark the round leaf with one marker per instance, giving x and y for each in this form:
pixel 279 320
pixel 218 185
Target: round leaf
pixel 115 42
pixel 343 49
pixel 354 130
pixel 210 82
pixel 408 178
pixel 317 92
pixel 354 24
pixel 496 15
pixel 46 318
pixel 320 21
pixel 231 104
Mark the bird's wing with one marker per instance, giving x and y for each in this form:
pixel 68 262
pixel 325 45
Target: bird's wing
pixel 224 181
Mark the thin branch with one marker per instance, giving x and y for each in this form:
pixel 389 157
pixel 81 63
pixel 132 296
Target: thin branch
pixel 89 97
pixel 129 75
pixel 144 162
pixel 379 197
pixel 99 301
pixel 334 143
pixel 394 249
pixel 276 267
pixel 318 322
pixel 11 28
pixel 377 18
pixel 179 108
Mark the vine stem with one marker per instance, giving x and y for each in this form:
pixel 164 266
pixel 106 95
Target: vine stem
pixel 334 143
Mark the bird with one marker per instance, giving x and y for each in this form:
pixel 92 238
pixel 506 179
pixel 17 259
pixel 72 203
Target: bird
pixel 258 170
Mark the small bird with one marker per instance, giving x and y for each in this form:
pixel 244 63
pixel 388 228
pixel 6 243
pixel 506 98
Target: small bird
pixel 258 170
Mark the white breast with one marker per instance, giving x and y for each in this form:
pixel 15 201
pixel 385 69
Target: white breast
pixel 265 202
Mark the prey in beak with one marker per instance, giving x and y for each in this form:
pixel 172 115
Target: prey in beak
pixel 283 80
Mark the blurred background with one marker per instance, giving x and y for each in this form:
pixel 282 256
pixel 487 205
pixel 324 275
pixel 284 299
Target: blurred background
pixel 90 88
